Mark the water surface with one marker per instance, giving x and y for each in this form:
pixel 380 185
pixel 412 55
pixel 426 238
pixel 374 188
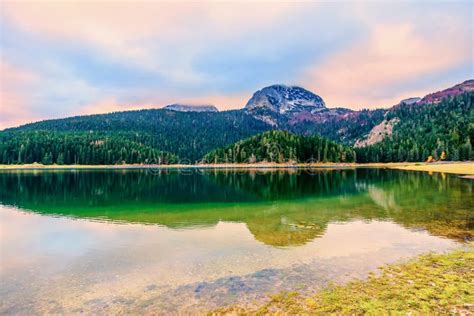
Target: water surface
pixel 189 240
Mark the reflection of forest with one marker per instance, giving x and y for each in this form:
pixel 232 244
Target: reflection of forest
pixel 280 208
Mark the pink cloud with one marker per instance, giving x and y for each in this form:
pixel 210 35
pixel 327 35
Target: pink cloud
pixel 14 102
pixel 392 54
pixel 127 31
pixel 125 20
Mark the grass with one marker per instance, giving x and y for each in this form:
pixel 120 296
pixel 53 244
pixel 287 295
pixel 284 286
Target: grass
pixel 430 284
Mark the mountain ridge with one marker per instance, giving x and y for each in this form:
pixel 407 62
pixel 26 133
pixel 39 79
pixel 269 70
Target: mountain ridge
pixel 190 134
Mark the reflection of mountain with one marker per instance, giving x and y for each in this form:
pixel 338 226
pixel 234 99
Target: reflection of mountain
pixel 279 208
pixel 382 198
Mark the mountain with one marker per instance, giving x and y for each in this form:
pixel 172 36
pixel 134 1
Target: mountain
pixel 283 99
pixel 281 146
pixel 466 86
pixel 191 108
pixel 408 130
pixel 303 112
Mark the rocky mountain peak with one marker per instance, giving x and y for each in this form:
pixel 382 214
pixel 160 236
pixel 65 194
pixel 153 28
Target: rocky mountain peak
pixel 282 99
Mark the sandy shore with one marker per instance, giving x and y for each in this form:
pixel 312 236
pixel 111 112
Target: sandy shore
pixel 462 168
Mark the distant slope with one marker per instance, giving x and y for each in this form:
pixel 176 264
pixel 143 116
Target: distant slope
pixel 422 130
pixel 281 146
pixel 340 125
pixel 436 97
pixel 191 108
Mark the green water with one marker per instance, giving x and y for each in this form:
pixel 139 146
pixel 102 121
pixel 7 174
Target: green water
pixel 190 240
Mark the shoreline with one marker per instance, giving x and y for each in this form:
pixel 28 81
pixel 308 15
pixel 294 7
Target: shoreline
pixel 433 283
pixel 461 168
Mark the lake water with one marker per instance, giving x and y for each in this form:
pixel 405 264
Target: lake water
pixel 142 241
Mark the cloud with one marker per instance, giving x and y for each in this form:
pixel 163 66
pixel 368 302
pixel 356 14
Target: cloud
pixel 394 56
pixel 13 81
pixel 159 36
pixel 96 57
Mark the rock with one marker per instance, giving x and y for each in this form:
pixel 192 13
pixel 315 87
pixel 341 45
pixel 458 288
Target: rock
pixel 409 101
pixel 378 133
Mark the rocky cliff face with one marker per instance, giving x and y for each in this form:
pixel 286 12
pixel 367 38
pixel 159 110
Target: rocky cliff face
pixel 378 133
pixel 285 99
pixel 191 108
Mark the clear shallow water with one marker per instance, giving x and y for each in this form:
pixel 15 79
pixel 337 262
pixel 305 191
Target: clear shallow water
pixel 188 241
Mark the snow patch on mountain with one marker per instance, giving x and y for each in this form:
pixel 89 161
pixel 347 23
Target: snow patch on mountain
pixel 191 108
pixel 283 99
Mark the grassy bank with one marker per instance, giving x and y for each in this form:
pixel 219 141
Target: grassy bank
pixel 466 168
pixel 462 168
pixel 430 284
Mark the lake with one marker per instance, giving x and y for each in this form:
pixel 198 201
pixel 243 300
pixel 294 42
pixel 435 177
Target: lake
pixel 190 240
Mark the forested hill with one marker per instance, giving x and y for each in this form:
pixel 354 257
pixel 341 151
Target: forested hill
pixel 188 135
pixel 281 146
pixel 423 130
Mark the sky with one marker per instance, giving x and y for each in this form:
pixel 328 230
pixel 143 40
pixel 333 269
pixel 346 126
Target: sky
pixel 65 58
